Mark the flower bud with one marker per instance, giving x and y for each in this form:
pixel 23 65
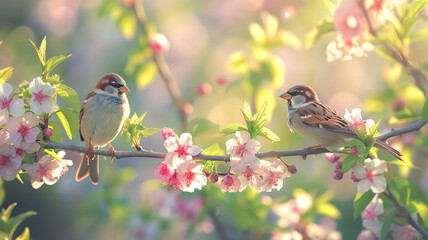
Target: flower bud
pixel 331 157
pixel 338 165
pixel 47 132
pixel 220 81
pixel 337 174
pixel 292 169
pixel 204 89
pixel 399 104
pixel 158 42
pixel 187 108
pixel 213 177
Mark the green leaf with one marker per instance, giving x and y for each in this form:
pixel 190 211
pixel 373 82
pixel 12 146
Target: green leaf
pixel 373 130
pixel 387 221
pixel 238 62
pixel 69 95
pixel 127 24
pixel 276 70
pixel 52 63
pixel 265 96
pixel 257 32
pixel 361 201
pixel 69 121
pixel 399 187
pixel 25 235
pixel 268 134
pixel 349 162
pixel 329 5
pixel 41 51
pixel 5 74
pixel 146 74
pixel 322 28
pixel 287 38
pixel 56 131
pixel 232 128
pixel 213 149
pixel 148 132
pixel 2 193
pixel 53 154
pixel 411 13
pixel 422 209
pixel 9 224
pixel 200 125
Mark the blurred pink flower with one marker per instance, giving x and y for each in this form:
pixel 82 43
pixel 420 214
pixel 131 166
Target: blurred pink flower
pixel 354 117
pixel 158 42
pixel 289 212
pixel 283 235
pixel 180 150
pixel 47 170
pixel 405 233
pixel 204 88
pixel 370 175
pixel 367 235
pixel 192 177
pixel 273 176
pixel 344 49
pixel 15 106
pixel 41 101
pixel 349 19
pixel 189 208
pixel 242 152
pixel 326 229
pixel 10 162
pixel 370 213
pixel 230 183
pixel 23 129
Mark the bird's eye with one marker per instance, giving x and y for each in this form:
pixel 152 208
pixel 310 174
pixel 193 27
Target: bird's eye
pixel 116 85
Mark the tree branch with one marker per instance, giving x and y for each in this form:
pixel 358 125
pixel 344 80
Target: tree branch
pixel 272 154
pixel 162 66
pixel 405 212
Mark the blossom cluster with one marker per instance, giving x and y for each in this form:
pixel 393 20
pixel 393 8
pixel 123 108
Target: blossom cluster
pixel 350 23
pixel 290 216
pixel 19 130
pixel 259 174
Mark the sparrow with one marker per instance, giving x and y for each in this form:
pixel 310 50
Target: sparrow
pixel 101 117
pixel 321 124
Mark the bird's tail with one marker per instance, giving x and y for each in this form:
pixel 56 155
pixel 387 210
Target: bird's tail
pixel 385 147
pixel 88 167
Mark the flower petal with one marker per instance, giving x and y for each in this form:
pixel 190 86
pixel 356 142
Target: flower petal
pixel 35 106
pixel 4 116
pixel 363 185
pixel 5 90
pixel 186 139
pixel 379 166
pixel 48 106
pixel 36 85
pixel 379 184
pixel 195 150
pixel 32 135
pixel 359 171
pixel 17 107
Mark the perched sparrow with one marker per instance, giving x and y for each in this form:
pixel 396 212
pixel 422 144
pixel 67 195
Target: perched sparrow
pixel 321 124
pixel 101 118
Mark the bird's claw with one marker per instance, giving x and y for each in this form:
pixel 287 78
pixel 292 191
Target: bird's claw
pixel 112 152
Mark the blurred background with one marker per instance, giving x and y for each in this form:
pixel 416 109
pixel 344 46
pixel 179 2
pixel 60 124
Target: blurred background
pixel 128 203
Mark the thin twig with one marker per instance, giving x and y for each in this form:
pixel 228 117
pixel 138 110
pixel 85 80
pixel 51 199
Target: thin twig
pixel 272 154
pixel 399 56
pixel 162 66
pixel 405 212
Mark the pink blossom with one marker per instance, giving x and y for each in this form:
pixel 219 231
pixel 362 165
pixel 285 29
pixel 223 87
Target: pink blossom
pixel 326 229
pixel 344 49
pixel 242 152
pixel 10 162
pixel 47 170
pixel 289 212
pixel 252 178
pixel 174 181
pixel 167 132
pixel 349 19
pixel 180 150
pixel 283 235
pixel 370 176
pixel 16 106
pixel 192 177
pixel 273 175
pixel 370 213
pixel 158 42
pixel 367 235
pixel 4 137
pixel 163 172
pixel 230 183
pixel 23 129
pixel 41 101
pixel 189 208
pixel 405 233
pixel 354 117
pixel 331 157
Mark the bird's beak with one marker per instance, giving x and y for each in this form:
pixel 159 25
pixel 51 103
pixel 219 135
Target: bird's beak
pixel 124 89
pixel 285 96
